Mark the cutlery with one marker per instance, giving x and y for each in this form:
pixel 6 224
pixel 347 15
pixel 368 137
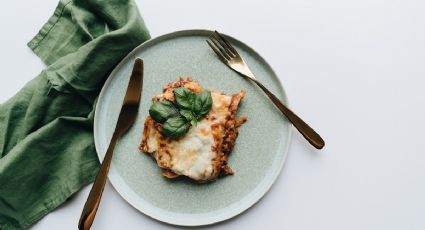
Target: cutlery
pixel 126 118
pixel 230 57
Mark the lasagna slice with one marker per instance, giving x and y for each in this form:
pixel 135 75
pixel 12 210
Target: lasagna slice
pixel 201 153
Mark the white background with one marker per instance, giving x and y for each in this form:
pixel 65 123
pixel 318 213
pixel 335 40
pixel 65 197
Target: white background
pixel 353 69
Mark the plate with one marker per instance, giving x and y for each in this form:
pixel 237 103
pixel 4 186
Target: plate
pixel 257 158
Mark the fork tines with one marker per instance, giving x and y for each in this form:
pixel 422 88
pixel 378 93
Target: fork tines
pixel 221 47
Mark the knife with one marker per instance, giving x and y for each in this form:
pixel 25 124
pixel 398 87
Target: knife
pixel 126 118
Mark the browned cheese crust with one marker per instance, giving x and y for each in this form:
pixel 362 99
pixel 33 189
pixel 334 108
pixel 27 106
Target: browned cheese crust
pixel 224 132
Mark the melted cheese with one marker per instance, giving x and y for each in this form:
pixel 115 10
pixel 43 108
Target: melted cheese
pixel 200 153
pixel 192 155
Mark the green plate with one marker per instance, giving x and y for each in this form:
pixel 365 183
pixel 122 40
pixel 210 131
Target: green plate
pixel 257 158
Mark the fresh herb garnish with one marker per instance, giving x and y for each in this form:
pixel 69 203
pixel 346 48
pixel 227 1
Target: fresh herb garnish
pixel 175 127
pixel 202 104
pixel 193 106
pixel 189 116
pixel 184 97
pixel 177 118
pixel 162 110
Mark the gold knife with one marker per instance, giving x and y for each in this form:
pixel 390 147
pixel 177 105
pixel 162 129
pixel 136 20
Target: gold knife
pixel 126 118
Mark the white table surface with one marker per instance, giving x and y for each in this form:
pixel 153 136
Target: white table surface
pixel 354 70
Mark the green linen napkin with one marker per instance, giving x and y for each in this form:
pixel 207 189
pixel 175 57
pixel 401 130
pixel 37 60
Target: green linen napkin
pixel 46 135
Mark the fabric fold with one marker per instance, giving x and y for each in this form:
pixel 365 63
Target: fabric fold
pixel 46 129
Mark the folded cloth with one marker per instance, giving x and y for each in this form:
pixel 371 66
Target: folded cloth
pixel 46 134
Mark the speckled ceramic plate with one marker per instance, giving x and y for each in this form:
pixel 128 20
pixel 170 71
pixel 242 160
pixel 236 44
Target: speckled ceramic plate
pixel 257 158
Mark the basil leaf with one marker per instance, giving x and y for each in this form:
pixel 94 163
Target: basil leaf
pixel 189 116
pixel 175 127
pixel 184 97
pixel 162 110
pixel 194 122
pixel 202 104
pixel 177 121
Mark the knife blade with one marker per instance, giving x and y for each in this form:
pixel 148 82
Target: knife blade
pixel 126 119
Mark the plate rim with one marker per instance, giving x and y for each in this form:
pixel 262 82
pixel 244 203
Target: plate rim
pixel 116 180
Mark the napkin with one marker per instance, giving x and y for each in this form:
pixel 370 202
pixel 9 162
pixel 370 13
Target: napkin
pixel 47 151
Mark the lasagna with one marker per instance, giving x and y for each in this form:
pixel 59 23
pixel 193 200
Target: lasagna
pixel 201 153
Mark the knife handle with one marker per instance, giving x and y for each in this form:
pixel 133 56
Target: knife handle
pixel 93 200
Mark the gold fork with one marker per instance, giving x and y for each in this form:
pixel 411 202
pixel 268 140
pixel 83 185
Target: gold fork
pixel 229 56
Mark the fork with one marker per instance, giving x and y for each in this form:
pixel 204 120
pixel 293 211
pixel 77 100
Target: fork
pixel 230 57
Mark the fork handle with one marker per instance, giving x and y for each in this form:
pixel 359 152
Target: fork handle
pixel 308 133
pixel 93 200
